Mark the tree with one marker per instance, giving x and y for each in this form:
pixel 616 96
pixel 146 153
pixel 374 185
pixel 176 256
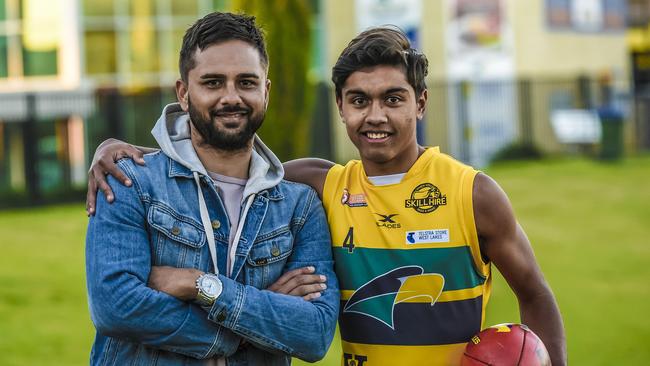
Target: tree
pixel 286 24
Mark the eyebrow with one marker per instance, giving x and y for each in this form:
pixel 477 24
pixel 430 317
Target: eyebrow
pixel 355 92
pixel 396 90
pixel 221 76
pixel 248 75
pixel 389 91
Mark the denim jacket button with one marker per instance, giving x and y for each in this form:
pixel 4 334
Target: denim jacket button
pixel 221 316
pixel 275 251
pixel 216 224
pixel 176 230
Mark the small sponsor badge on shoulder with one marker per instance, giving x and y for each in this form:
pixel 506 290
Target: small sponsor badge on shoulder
pixel 427 236
pixel 353 200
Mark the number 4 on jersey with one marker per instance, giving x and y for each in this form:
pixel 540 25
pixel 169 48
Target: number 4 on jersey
pixel 348 242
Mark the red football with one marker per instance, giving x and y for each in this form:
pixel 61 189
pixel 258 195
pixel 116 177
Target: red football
pixel 505 345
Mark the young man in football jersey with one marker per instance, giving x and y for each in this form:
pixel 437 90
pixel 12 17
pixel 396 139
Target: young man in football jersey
pixel 414 231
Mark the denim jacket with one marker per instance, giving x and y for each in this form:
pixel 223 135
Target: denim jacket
pixel 157 222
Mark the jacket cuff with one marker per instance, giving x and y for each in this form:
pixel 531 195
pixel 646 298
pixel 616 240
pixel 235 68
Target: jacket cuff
pixel 225 310
pixel 226 344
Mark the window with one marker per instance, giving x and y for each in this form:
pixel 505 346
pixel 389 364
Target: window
pixel 589 15
pixel 30 34
pixel 143 47
pixel 97 7
pixel 4 66
pixel 137 42
pixel 184 7
pixel 39 63
pixel 100 52
pixel 638 13
pixel 142 8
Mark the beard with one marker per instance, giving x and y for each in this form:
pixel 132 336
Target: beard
pixel 221 138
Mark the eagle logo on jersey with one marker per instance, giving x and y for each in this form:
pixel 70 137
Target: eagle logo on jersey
pixel 426 198
pixel 377 298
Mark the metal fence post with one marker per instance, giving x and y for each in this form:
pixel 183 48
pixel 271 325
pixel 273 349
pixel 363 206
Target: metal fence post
pixel 525 112
pixel 320 138
pixel 114 109
pixel 463 90
pixel 30 148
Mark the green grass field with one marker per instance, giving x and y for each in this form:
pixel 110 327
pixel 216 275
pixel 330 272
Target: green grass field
pixel 589 223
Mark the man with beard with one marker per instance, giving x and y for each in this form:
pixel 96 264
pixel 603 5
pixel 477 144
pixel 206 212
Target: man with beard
pixel 188 265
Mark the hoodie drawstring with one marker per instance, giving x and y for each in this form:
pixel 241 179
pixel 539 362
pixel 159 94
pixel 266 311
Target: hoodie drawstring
pixel 233 247
pixel 207 225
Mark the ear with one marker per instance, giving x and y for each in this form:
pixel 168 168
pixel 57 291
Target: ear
pixel 182 94
pixel 267 91
pixel 339 105
pixel 422 104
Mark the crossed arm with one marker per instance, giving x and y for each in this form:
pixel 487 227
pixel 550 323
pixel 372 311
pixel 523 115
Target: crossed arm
pixel 118 264
pixel 125 303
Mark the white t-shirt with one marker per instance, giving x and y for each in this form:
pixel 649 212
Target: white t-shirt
pixel 231 191
pixel 384 180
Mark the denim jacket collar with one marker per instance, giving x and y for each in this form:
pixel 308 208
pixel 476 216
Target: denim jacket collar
pixel 177 169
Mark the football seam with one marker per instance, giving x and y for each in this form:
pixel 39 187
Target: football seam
pixel 521 351
pixel 476 359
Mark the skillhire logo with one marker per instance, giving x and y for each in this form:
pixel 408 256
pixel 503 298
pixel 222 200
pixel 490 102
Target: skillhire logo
pixel 426 198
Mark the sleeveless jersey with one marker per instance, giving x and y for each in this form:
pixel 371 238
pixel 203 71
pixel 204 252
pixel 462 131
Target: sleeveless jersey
pixel 413 284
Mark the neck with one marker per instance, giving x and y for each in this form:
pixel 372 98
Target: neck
pixel 229 163
pixel 394 166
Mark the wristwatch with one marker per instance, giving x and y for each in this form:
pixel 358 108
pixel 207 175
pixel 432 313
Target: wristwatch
pixel 209 287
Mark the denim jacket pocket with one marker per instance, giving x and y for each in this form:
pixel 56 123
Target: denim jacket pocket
pixel 268 256
pixel 178 239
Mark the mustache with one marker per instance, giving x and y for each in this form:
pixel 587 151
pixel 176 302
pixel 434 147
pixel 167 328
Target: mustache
pixel 229 109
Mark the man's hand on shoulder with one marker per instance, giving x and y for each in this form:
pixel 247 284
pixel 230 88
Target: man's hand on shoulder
pixel 104 163
pixel 177 282
pixel 300 282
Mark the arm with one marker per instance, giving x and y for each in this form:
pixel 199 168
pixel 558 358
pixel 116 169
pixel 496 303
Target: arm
pixel 505 244
pixel 309 171
pixel 104 163
pixel 285 323
pixel 179 282
pixel 268 318
pixel 118 261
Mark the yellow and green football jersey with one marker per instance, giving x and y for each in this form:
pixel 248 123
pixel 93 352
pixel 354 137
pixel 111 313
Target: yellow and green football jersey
pixel 413 284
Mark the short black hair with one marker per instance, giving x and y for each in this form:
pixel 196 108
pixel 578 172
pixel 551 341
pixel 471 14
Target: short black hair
pixel 384 45
pixel 220 27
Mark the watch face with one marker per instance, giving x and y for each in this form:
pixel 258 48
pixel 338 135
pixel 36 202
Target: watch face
pixel 210 286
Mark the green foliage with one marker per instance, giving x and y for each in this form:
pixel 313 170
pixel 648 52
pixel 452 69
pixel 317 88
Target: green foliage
pixel 288 39
pixel 43 308
pixel 587 221
pixel 518 151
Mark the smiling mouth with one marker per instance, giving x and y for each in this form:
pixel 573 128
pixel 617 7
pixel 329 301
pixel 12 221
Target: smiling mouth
pixel 376 135
pixel 231 114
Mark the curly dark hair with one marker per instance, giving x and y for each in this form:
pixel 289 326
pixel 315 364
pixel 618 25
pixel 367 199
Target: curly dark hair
pixel 220 27
pixel 384 45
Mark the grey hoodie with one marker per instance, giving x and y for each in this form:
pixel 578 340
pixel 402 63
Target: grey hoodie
pixel 172 132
